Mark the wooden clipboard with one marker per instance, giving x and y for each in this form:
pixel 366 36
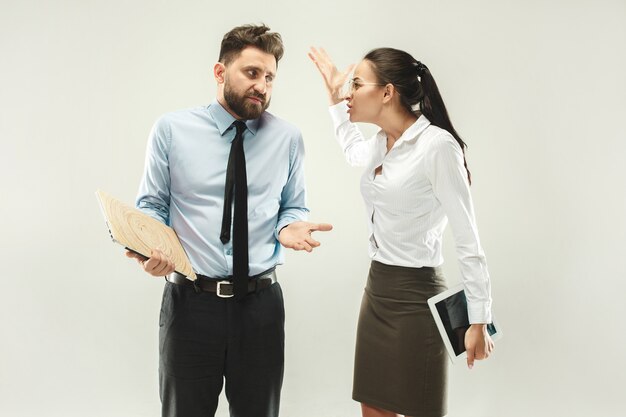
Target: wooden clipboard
pixel 140 233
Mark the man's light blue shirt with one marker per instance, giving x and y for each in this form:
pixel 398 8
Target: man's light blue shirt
pixel 184 176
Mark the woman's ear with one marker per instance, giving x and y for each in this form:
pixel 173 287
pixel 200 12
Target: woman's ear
pixel 388 93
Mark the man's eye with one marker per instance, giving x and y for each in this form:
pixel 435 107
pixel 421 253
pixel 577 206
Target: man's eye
pixel 269 79
pixel 252 73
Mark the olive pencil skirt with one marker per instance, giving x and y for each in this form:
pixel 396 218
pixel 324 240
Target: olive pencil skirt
pixel 400 360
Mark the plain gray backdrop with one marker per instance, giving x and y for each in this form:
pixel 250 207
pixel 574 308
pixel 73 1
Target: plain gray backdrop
pixel 535 88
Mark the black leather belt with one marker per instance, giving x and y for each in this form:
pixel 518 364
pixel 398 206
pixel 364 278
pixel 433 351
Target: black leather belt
pixel 224 287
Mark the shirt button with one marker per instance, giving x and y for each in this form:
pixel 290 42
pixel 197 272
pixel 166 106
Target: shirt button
pixel 229 252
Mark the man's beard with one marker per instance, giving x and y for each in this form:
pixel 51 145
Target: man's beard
pixel 245 108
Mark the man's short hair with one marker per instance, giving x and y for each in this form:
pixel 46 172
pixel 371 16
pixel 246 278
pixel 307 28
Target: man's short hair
pixel 241 37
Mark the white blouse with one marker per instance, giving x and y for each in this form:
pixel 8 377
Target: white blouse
pixel 423 184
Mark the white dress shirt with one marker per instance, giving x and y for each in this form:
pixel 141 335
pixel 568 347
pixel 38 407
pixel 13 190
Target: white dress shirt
pixel 423 184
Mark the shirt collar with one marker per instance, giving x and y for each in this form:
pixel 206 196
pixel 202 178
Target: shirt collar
pixel 224 120
pixel 412 132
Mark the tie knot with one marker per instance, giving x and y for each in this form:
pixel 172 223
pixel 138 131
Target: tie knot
pixel 240 126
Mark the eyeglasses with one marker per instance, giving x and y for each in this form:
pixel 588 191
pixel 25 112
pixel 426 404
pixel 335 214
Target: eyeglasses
pixel 354 84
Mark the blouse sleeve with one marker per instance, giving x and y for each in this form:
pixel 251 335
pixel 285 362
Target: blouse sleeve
pixel 354 145
pixel 448 176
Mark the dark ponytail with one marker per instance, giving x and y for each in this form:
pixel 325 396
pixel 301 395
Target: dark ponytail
pixel 417 87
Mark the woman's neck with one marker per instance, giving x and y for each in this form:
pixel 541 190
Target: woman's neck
pixel 395 124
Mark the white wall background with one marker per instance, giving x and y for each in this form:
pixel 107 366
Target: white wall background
pixel 536 89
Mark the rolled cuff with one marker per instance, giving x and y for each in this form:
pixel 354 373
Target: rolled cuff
pixel 339 113
pixel 479 312
pixel 281 224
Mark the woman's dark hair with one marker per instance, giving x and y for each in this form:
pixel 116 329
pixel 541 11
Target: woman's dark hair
pixel 416 86
pixel 250 35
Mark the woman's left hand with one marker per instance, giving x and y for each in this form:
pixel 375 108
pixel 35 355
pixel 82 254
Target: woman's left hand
pixel 478 343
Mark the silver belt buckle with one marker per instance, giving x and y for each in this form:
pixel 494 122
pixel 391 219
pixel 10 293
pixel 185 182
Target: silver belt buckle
pixel 218 290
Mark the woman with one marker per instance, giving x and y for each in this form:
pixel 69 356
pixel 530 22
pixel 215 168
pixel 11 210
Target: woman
pixel 415 181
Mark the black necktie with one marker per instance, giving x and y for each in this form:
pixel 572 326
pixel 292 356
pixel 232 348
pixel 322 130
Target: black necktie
pixel 236 177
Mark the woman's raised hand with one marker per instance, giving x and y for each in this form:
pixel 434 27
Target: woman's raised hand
pixel 333 78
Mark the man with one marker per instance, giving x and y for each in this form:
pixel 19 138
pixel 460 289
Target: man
pixel 234 192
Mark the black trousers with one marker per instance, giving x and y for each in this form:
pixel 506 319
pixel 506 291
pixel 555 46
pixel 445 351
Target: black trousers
pixel 206 340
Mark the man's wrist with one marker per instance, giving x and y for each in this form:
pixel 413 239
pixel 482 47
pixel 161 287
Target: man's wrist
pixel 282 228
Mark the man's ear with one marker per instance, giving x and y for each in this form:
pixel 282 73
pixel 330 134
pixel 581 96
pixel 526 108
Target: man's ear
pixel 219 71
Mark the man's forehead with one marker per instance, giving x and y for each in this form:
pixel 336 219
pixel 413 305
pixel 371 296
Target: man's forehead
pixel 254 57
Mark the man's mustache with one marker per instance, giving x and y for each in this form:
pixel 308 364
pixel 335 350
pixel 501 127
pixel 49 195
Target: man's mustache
pixel 259 96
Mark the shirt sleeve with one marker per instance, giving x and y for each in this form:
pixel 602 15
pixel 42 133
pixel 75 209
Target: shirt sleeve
pixel 153 197
pixel 448 176
pixel 293 197
pixel 354 145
